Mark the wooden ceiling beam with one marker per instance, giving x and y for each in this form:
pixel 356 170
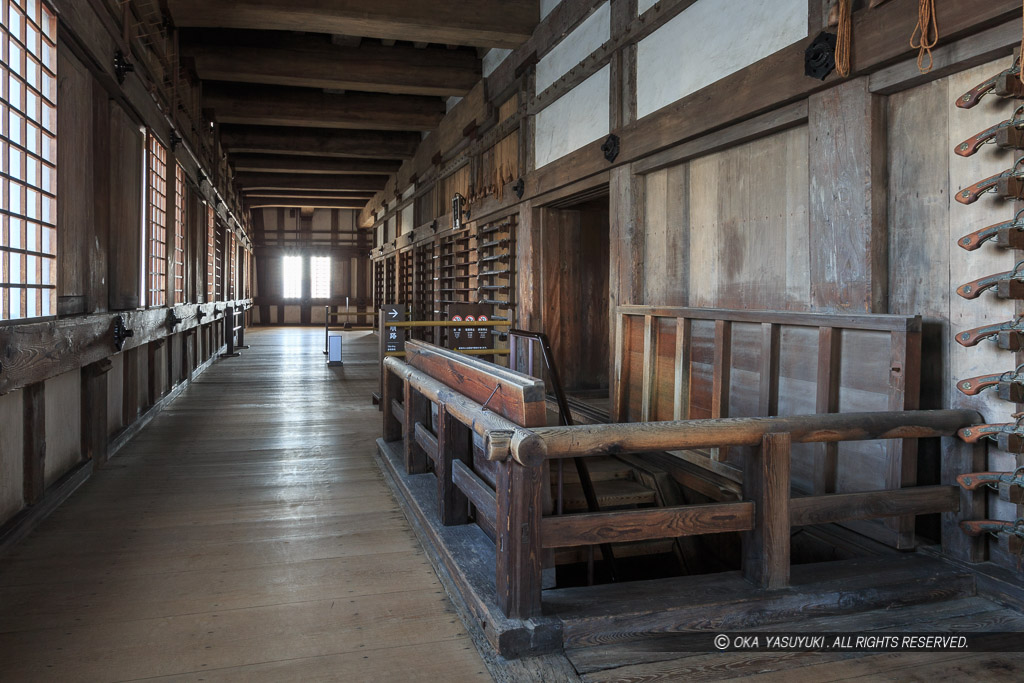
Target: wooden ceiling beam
pixel 319 142
pixel 294 181
pixel 354 204
pixel 283 106
pixel 283 163
pixel 306 194
pixel 311 62
pixel 482 23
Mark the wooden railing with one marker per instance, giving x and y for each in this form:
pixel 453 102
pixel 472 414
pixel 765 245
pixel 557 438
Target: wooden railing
pixel 504 408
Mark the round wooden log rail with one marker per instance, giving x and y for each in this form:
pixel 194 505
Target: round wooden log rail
pixel 530 447
pixel 496 430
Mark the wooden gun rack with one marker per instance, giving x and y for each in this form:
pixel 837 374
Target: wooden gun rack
pixel 502 473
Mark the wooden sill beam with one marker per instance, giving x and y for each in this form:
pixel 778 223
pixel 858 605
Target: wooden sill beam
pixel 318 142
pixel 282 106
pixel 309 63
pixel 482 23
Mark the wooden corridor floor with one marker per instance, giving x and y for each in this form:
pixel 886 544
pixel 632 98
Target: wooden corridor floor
pixel 245 534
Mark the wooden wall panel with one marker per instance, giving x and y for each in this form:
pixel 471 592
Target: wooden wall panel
pixel 730 229
pixel 126 146
pixel 115 390
pixel 12 456
pixel 75 209
pixel 63 398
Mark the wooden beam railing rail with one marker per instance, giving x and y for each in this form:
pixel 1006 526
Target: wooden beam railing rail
pixel 514 512
pixel 234 328
pixel 330 316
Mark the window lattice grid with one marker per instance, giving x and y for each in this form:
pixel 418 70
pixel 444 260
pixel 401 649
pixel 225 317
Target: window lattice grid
pixel 156 219
pixel 230 288
pixel 218 264
pixel 320 267
pixel 28 155
pixel 211 246
pixel 180 213
pixel 291 273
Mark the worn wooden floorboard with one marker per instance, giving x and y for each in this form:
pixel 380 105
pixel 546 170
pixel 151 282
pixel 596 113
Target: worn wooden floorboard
pixel 245 534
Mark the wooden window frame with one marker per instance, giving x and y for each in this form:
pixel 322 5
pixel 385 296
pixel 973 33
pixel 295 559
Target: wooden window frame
pixel 177 283
pixel 28 227
pixel 156 221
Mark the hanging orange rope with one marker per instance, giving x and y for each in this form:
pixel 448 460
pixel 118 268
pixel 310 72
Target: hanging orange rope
pixel 843 36
pixel 926 35
pixel 1021 76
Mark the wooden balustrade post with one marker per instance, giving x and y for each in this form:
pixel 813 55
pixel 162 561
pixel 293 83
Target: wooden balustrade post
pixel 519 559
pixel 417 409
pixel 241 330
pixel 454 442
pixel 391 389
pixel 766 483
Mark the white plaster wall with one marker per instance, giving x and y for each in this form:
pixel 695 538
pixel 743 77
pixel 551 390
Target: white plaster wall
pixel 493 59
pixel 710 40
pixel 546 6
pixel 644 5
pixel 577 118
pixel 292 315
pixel 12 456
pixel 63 424
pixel 587 37
pixel 317 315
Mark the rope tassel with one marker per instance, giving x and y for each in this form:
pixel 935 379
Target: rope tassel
pixel 844 36
pixel 925 36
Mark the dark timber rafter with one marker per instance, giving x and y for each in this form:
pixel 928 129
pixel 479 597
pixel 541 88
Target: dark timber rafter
pixel 291 203
pixel 281 163
pixel 308 194
pixel 293 181
pixel 481 23
pixel 368 144
pixel 282 106
pixel 313 61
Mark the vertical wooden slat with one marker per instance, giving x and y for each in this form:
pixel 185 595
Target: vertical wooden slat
pixel 904 394
pixel 768 400
pixel 681 406
pixel 623 351
pixel 94 412
pixel 391 390
pixel 827 401
pixel 766 482
pixel 646 394
pixel 130 387
pixel 417 409
pixel 518 566
pixel 453 443
pixel 721 377
pixel 34 441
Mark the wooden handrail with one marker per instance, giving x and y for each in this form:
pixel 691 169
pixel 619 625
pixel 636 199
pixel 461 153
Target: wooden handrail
pixel 609 439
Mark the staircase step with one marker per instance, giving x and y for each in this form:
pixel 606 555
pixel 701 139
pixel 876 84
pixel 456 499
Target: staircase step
pixel 600 469
pixel 610 494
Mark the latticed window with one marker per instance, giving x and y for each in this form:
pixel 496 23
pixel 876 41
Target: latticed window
pixel 291 277
pixel 156 221
pixel 320 267
pixel 178 255
pixel 230 288
pixel 211 246
pixel 28 157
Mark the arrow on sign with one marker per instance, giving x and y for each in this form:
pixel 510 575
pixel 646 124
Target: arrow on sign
pixel 393 313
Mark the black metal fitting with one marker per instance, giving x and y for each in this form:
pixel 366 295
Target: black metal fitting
pixel 121 333
pixel 519 188
pixel 122 67
pixel 820 56
pixel 172 319
pixel 611 148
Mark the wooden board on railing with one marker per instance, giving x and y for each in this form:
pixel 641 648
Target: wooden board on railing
pixel 692 363
pixel 513 395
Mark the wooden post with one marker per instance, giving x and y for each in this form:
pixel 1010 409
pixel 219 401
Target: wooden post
pixel 34 397
pixel 130 387
pixel 721 379
pixel 453 443
pixel 826 461
pixel 417 409
pixel 94 412
pixel 766 483
pixel 519 565
pixel 391 390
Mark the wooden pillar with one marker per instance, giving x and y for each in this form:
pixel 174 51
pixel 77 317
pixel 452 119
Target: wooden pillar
pixel 519 561
pixel 625 263
pixel 454 442
pixel 130 387
pixel 391 389
pixel 848 199
pixel 94 412
pixel 826 461
pixel 957 458
pixel 417 409
pixel 154 374
pixel 766 483
pixel 34 442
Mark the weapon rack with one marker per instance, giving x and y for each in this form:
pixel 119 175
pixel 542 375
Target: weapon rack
pixel 389 279
pixel 423 304
pixel 378 283
pixel 405 277
pixel 457 271
pixel 496 266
